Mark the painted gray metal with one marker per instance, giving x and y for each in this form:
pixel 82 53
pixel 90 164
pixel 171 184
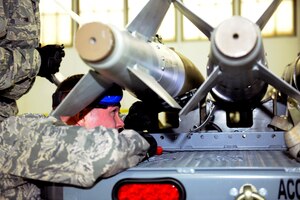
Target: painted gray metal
pixel 209 174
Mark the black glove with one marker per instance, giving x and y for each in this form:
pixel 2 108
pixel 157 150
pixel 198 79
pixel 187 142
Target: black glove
pixel 51 56
pixel 153 145
pixel 141 117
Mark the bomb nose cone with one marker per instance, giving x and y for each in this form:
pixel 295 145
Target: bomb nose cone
pixel 94 41
pixel 236 37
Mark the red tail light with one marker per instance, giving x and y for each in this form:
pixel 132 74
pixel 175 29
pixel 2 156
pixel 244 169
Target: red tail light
pixel 148 189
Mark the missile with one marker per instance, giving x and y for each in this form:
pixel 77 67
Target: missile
pixel 132 59
pixel 237 71
pixel 291 73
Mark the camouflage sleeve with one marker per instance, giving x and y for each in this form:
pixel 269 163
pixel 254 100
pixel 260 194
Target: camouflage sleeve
pixel 41 148
pixel 19 60
pixel 18 68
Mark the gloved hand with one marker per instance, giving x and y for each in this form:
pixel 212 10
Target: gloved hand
pixel 141 117
pixel 153 145
pixel 51 56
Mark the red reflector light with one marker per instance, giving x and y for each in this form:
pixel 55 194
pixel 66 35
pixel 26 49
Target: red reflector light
pixel 148 189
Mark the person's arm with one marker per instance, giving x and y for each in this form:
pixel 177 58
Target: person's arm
pixel 18 68
pixel 19 60
pixel 37 148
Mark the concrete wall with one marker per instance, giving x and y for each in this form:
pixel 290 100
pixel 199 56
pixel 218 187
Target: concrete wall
pixel 280 51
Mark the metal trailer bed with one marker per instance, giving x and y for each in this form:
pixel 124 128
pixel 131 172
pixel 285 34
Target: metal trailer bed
pixel 213 166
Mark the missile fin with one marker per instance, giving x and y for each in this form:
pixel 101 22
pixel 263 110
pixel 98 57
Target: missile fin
pixel 149 19
pixel 263 20
pixel 71 13
pixel 90 86
pixel 264 74
pixel 204 27
pixel 202 91
pixel 154 85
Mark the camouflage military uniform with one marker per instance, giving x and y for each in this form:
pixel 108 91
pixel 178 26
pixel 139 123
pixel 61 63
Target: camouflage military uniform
pixel 42 148
pixel 19 61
